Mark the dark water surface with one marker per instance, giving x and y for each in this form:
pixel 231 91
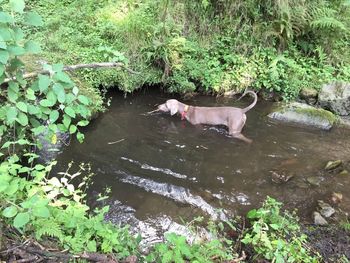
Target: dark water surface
pixel 164 166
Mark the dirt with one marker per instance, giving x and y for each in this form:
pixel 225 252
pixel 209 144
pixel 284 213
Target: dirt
pixel 331 242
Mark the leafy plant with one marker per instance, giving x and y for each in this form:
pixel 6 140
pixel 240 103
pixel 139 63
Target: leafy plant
pixel 53 207
pixel 49 104
pixel 275 235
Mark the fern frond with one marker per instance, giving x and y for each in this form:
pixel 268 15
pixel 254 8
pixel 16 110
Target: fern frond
pixel 48 228
pixel 328 23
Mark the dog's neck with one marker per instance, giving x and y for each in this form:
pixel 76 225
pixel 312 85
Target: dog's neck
pixel 184 111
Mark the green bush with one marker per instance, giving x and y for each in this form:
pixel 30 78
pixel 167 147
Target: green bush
pixel 52 207
pixel 275 235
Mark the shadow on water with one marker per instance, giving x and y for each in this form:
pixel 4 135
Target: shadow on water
pixel 162 165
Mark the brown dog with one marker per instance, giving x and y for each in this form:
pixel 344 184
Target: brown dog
pixel 231 117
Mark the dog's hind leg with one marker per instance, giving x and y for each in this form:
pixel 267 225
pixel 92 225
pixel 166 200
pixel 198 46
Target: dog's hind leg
pixel 235 129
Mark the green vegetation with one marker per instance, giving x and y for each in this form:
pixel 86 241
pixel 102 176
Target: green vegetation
pixel 210 46
pixel 276 236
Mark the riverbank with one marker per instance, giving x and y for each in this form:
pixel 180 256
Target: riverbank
pixel 210 47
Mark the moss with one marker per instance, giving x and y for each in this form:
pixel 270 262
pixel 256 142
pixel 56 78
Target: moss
pixel 318 113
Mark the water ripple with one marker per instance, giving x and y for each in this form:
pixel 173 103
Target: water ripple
pixel 177 193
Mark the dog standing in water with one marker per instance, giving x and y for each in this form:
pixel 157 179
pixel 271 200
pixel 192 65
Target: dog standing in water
pixel 232 117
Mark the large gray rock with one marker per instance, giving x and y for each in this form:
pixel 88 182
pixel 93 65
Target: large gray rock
pixel 336 98
pixel 302 114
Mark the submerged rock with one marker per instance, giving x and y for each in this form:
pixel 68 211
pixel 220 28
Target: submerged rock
pixel 280 177
pixel 315 180
pixel 326 209
pixel 299 113
pixel 336 198
pixel 336 98
pixel 331 165
pixel 319 220
pixel 344 122
pixel 344 173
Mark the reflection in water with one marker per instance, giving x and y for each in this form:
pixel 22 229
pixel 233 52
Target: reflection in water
pixel 162 165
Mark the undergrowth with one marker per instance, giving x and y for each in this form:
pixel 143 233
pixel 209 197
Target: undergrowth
pixel 210 46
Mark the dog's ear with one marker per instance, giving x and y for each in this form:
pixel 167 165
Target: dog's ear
pixel 172 106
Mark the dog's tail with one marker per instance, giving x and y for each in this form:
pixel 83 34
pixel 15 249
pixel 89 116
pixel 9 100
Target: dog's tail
pixel 254 102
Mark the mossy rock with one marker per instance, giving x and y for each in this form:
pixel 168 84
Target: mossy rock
pixel 305 115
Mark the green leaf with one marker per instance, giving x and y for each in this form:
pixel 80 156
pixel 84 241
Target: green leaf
pixel 6 145
pixel 69 110
pixel 38 130
pixel 16 50
pixel 17 5
pixel 83 99
pixel 11 115
pixel 21 220
pixel 32 47
pixel 30 95
pixel 70 98
pixel 34 122
pixel 252 213
pixel 12 189
pixel 4 56
pixel 46 103
pixel 6 18
pixel 57 67
pixel 61 76
pixel 35 86
pixel 59 91
pixel 12 94
pixel 22 106
pixel 80 137
pixel 41 212
pixel 22 119
pixel 75 90
pixel 2 69
pixel 18 34
pixel 54 116
pixel 23 142
pixel 72 129
pixel 33 109
pixel 33 19
pixel 66 120
pixel 2 44
pixel 91 246
pixel 44 82
pixel 10 211
pixel 83 123
pixel 51 97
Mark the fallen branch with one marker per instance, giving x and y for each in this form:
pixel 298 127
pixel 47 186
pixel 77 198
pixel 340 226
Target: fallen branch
pixel 92 257
pixel 150 112
pixel 243 257
pixel 78 66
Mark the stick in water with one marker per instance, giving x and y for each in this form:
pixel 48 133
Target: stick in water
pixel 153 111
pixel 116 141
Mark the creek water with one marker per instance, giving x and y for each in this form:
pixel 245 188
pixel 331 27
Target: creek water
pixel 159 165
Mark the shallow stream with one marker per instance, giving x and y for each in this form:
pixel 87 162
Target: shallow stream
pixel 159 165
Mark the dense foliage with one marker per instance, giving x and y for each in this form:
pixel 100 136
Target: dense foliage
pixel 212 46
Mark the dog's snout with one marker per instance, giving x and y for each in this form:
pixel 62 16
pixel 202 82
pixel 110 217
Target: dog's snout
pixel 163 107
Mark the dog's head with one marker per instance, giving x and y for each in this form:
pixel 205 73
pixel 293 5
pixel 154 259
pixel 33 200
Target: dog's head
pixel 170 105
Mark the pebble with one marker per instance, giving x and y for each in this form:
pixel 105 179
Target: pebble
pixel 331 165
pixel 319 220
